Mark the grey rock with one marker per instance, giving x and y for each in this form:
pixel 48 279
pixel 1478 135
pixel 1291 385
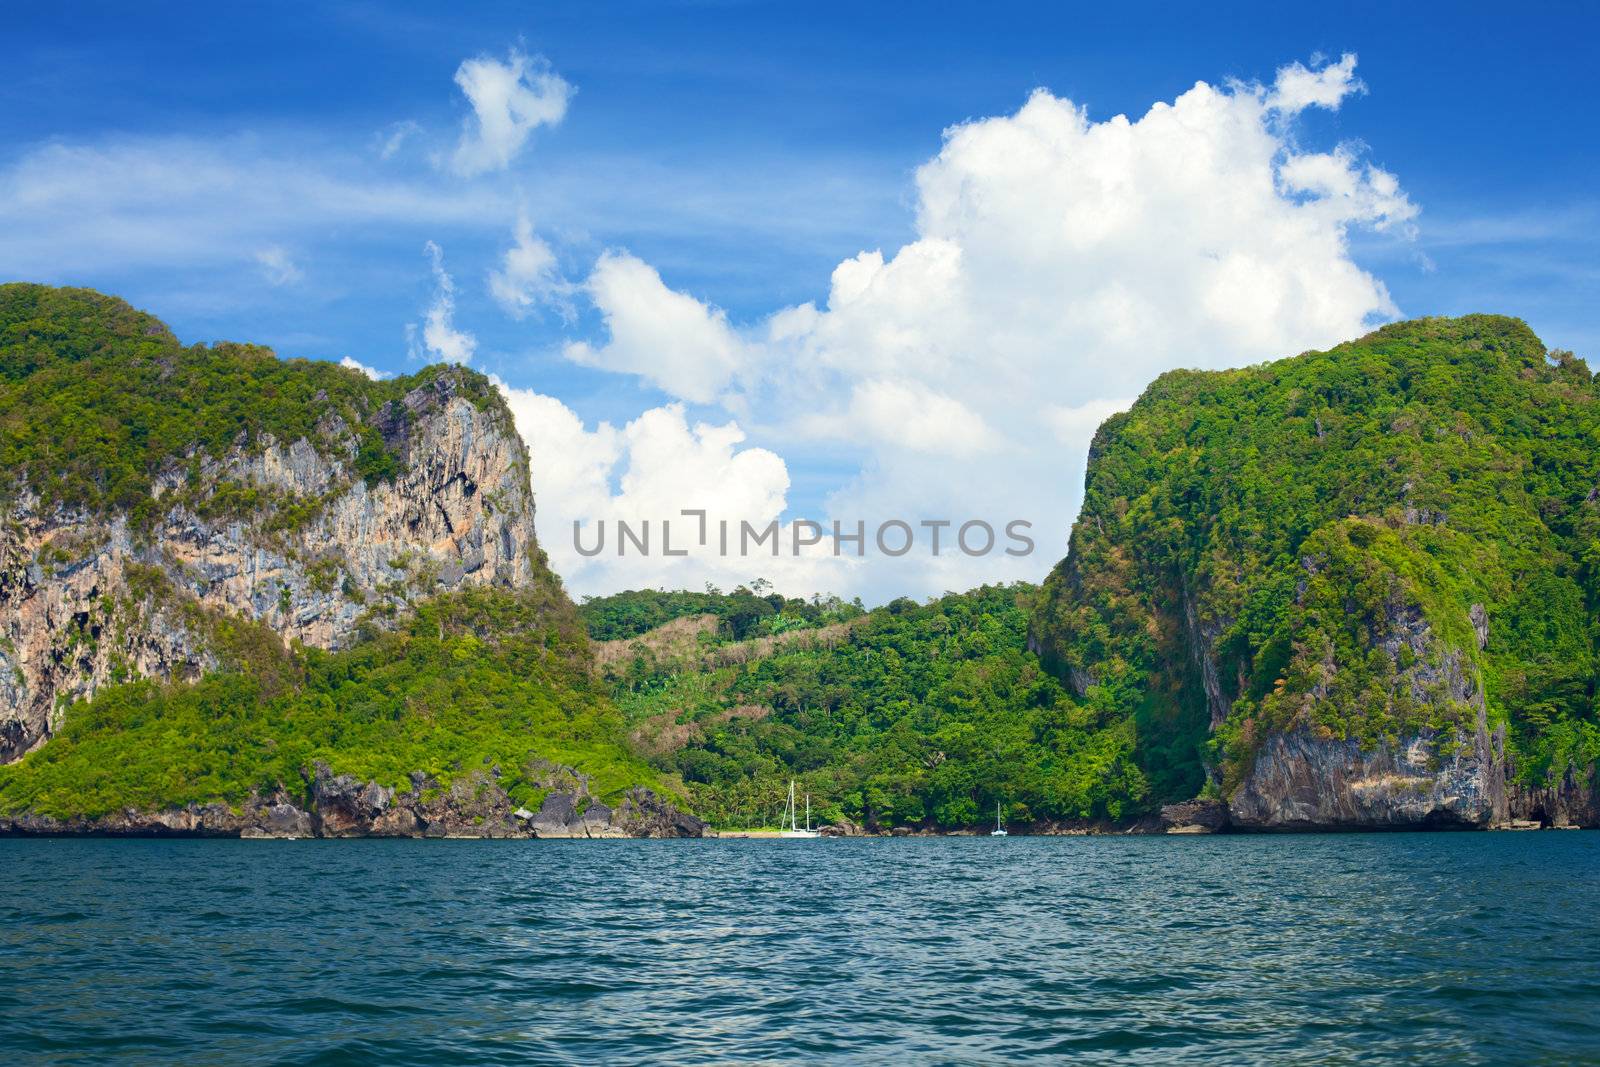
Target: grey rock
pixel 1300 782
pixel 556 815
pixel 1480 624
pixel 285 820
pixel 1194 817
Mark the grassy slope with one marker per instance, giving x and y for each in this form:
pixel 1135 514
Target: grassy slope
pixel 741 613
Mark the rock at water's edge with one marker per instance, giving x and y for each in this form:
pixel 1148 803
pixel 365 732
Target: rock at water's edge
pixel 345 806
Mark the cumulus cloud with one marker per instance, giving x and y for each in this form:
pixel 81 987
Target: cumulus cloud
pixel 529 276
pixel 649 471
pixel 570 465
pixel 277 267
pixel 371 372
pixel 904 415
pixel 1346 189
pixel 509 101
pixel 1060 263
pixel 438 337
pixel 671 339
pixel 1076 423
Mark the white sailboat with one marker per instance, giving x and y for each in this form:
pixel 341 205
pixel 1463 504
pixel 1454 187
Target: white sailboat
pixel 999 830
pixel 792 815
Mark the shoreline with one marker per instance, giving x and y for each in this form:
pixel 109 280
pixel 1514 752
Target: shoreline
pixel 14 832
pixel 342 806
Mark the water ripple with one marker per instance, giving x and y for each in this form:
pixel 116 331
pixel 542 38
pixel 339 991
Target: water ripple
pixel 1449 948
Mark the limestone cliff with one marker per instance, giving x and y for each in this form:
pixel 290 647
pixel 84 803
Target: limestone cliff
pixel 290 532
pixel 1352 589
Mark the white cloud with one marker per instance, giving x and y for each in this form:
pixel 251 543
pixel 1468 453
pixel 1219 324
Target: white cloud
pixel 648 471
pixel 1349 191
pixel 673 464
pixel 180 219
pixel 570 466
pixel 1060 264
pixel 277 267
pixel 1298 87
pixel 904 415
pixel 1075 424
pixel 679 344
pixel 351 364
pixel 509 101
pixel 529 276
pixel 439 337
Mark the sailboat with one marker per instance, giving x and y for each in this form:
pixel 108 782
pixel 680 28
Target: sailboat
pixel 792 815
pixel 999 830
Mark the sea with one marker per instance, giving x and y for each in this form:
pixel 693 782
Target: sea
pixel 1395 948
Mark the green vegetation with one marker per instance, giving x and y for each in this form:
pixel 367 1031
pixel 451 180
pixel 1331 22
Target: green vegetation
pixel 911 714
pixel 1318 534
pixel 471 681
pixel 98 399
pixel 745 612
pixel 98 404
pixel 1399 536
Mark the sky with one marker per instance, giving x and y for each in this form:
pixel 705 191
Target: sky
pixel 807 263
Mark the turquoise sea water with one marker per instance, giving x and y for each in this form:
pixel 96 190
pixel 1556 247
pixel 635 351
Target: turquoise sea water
pixel 1424 948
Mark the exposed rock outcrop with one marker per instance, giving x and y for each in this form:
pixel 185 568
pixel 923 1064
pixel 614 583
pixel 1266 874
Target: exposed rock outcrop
pixel 1301 783
pixel 473 805
pixel 1571 799
pixel 86 599
pixel 1303 779
pixel 1192 817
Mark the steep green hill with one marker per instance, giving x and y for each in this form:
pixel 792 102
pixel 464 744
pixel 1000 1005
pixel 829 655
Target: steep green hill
pixel 1395 539
pixel 262 567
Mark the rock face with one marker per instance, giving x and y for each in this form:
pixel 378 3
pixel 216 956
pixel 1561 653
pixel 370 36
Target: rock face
pixel 571 810
pixel 1303 779
pixel 332 805
pixel 1571 799
pixel 1191 817
pixel 1298 782
pixel 87 600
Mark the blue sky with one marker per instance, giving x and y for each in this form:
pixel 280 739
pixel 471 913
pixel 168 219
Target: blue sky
pixel 173 154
